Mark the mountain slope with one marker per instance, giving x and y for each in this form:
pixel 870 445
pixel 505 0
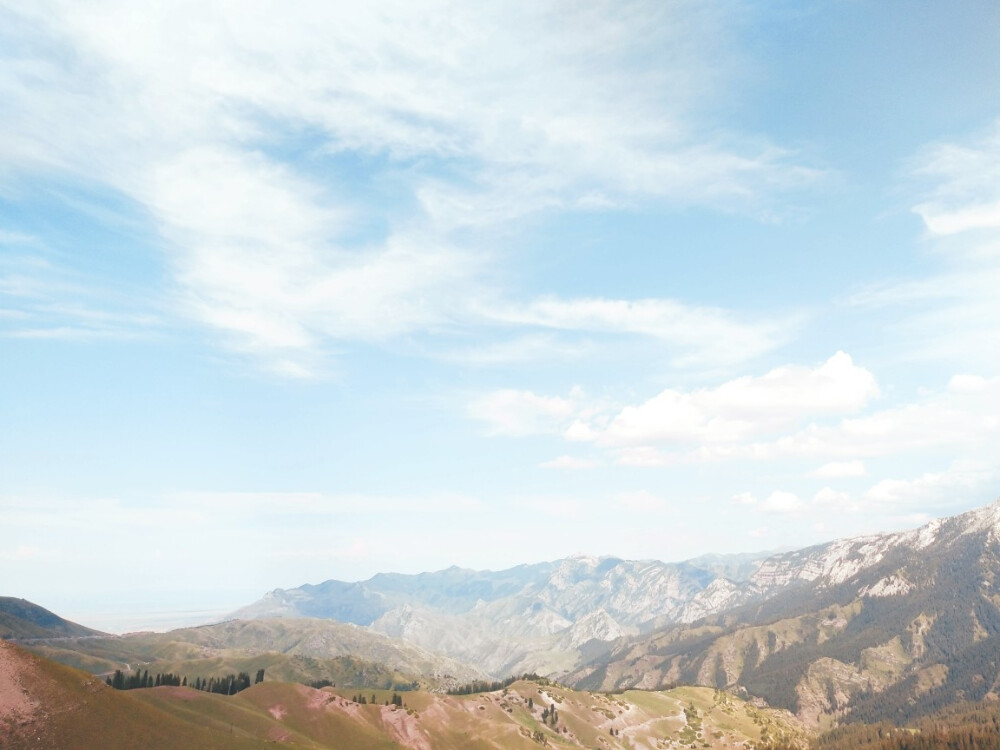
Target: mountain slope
pixel 47 705
pixel 20 618
pixel 529 618
pixel 883 626
pixel 67 709
pixel 301 650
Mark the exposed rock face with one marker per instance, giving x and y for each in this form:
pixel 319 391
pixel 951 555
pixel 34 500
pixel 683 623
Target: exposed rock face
pixel 899 618
pixel 497 621
pixel 881 626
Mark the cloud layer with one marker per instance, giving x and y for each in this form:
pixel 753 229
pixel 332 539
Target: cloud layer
pixel 318 176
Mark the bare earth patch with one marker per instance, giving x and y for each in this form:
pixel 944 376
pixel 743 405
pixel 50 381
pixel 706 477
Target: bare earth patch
pixel 15 705
pixel 403 729
pixel 277 711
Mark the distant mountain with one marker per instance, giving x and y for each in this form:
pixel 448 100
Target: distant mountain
pixel 537 617
pixel 888 626
pixel 881 626
pixel 20 619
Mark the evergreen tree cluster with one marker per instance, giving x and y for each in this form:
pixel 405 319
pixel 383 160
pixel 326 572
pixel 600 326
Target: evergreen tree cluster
pixel 968 726
pixel 484 686
pixel 550 716
pixel 228 685
pixel 395 700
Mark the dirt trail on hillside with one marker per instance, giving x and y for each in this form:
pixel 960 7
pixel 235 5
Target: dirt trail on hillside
pixel 15 705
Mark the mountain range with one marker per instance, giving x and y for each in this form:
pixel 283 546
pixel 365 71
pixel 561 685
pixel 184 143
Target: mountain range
pixel 531 618
pixel 893 624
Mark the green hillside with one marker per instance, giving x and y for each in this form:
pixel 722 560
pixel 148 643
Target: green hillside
pixel 294 650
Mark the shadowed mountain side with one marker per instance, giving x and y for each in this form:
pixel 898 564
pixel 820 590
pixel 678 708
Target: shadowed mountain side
pixel 886 626
pixel 22 619
pixel 293 649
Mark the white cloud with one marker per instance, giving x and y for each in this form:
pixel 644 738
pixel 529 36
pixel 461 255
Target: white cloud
pixel 700 335
pixel 966 414
pixel 780 501
pixel 967 194
pixel 962 480
pixel 839 469
pixel 949 316
pixel 745 498
pixel 231 139
pixel 745 407
pixel 519 413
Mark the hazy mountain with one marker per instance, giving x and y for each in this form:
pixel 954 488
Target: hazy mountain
pixel 886 625
pixel 20 618
pixel 882 626
pixel 529 618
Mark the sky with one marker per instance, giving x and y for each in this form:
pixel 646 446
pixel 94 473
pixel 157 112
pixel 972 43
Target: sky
pixel 308 290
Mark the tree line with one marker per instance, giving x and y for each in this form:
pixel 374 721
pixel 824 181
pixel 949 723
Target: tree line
pixel 485 686
pixel 229 684
pixel 395 700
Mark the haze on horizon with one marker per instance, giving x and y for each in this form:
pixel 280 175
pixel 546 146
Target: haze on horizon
pixel 300 291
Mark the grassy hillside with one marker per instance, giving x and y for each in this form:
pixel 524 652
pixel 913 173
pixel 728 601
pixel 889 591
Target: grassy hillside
pixel 299 650
pixel 69 709
pixel 19 618
pixel 66 709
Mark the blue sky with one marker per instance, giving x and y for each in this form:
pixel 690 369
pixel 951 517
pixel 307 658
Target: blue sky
pixel 297 291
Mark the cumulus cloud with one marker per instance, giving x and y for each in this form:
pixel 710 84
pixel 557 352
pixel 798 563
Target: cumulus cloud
pixel 780 501
pixel 963 415
pixel 745 407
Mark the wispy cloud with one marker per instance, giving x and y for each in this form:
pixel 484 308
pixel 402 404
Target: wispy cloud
pixel 47 300
pixel 237 140
pixel 949 315
pixel 518 413
pixel 966 195
pixel 698 335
